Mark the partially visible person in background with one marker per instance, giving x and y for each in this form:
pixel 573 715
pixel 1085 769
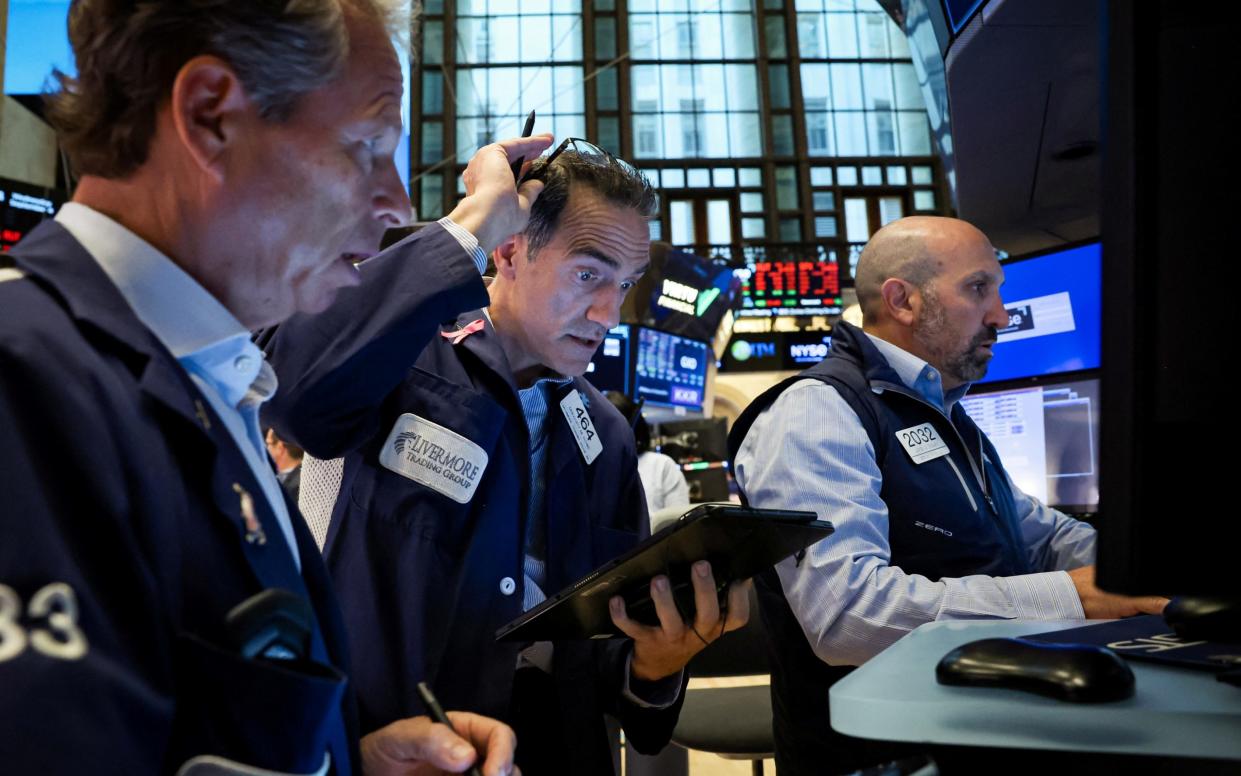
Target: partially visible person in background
pixel 661 476
pixel 288 459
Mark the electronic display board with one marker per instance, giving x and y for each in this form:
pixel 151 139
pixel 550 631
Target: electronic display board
pixel 22 207
pixel 609 369
pixel 670 370
pixel 790 288
pixel 1054 321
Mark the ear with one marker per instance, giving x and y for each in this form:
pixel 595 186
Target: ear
pixel 209 110
pixel 901 300
pixel 508 253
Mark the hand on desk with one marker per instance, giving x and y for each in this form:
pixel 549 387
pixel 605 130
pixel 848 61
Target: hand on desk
pixel 419 747
pixel 663 650
pixel 1099 605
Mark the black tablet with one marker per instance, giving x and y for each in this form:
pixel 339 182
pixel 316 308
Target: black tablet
pixel 738 541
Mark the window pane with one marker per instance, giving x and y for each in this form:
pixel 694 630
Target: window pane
pixel 881 134
pixel 750 176
pixel 890 209
pixel 824 200
pixel 674 179
pixel 896 176
pixel 846 87
pixel 857 223
pixel 877 80
pixel 825 226
pixel 782 135
pixel 745 137
pixel 790 230
pixel 738 30
pixel 724 177
pixel 924 200
pixel 719 222
pixel 609 134
pixel 432 141
pixel 432 42
pixel 915 134
pixel 841 36
pixel 432 92
pixel 753 228
pixel 850 134
pixel 921 174
pixel 699 179
pixel 873 35
pixel 820 176
pixel 908 93
pixel 846 176
pixel 605 37
pixel 774 27
pixel 820 139
pixel 432 197
pixel 811 42
pixel 778 78
pixel 751 202
pixel 681 214
pixel 605 90
pixel 786 188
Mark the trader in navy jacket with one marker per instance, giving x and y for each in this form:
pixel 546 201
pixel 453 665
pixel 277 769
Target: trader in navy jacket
pixel 484 473
pixel 234 157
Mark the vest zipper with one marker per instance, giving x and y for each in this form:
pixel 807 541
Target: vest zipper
pixel 964 487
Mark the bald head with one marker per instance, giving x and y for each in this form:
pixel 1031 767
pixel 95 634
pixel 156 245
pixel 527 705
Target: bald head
pixel 916 249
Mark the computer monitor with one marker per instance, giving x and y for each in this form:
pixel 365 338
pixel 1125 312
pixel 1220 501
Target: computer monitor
pixel 809 286
pixel 697 439
pixel 670 370
pixel 1047 435
pixel 1168 482
pixel 22 207
pixel 1052 298
pixel 609 369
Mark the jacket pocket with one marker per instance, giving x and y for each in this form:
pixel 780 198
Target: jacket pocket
pixel 268 715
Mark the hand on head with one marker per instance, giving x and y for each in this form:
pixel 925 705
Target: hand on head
pixel 664 649
pixel 494 208
pixel 419 747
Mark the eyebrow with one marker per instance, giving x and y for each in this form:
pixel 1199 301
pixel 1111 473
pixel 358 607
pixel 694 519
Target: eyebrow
pixel 980 275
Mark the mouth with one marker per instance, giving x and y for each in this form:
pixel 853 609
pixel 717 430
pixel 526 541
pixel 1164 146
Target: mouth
pixel 588 343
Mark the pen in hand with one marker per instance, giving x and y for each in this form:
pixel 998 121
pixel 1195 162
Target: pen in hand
pixel 437 714
pixel 525 132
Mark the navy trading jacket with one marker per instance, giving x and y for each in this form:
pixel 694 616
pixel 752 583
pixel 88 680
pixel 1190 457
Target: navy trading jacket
pixel 428 572
pixel 966 491
pixel 123 547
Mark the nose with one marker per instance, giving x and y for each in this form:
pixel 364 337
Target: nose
pixel 997 315
pixel 390 203
pixel 605 308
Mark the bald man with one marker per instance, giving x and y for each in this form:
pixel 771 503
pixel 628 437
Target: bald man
pixel 929 526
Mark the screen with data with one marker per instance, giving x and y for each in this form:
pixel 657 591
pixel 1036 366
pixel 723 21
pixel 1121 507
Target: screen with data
pixel 1052 300
pixel 1047 436
pixel 670 370
pixel 609 369
pixel 790 288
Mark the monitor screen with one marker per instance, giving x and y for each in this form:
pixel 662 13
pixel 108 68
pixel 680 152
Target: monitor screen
pixel 802 287
pixel 699 439
pixel 1053 312
pixel 670 370
pixel 1047 436
pixel 22 207
pixel 690 294
pixel 609 369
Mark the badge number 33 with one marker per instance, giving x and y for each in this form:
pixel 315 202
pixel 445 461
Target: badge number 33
pixel 54 631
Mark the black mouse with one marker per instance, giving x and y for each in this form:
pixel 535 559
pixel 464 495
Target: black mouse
pixel 1204 618
pixel 1069 672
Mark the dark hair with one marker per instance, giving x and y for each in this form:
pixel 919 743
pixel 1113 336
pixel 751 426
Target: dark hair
pixel 128 54
pixel 611 180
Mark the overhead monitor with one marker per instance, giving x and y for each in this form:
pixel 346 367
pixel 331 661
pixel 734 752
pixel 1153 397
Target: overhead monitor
pixel 1054 320
pixel 794 287
pixel 609 369
pixel 670 370
pixel 1047 435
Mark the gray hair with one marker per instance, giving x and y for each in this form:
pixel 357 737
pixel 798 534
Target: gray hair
pixel 128 54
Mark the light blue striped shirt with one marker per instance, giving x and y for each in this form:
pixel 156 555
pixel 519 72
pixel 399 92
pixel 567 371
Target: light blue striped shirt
pixel 809 451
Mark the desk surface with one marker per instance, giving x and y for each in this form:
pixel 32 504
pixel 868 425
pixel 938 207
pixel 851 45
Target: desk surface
pixel 894 696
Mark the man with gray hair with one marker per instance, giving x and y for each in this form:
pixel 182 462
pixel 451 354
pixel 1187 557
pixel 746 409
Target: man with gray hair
pixel 162 607
pixel 929 526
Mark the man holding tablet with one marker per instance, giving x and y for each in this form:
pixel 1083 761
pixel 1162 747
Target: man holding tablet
pixel 482 474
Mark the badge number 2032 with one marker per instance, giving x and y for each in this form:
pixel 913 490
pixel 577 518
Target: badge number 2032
pixel 54 632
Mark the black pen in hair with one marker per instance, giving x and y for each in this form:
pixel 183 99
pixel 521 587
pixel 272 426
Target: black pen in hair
pixel 437 714
pixel 525 132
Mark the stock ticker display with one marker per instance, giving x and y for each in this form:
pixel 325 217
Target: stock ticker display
pixel 790 288
pixel 670 370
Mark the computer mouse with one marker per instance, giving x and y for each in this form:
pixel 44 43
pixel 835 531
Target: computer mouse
pixel 1204 618
pixel 1071 672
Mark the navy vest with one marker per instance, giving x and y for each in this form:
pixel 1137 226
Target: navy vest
pixel 952 516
